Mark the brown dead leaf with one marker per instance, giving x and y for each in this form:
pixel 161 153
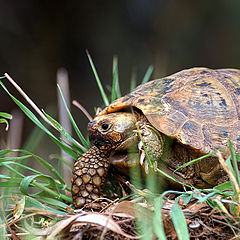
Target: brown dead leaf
pixel 58 227
pixel 104 221
pixel 195 207
pixel 125 207
pixel 19 208
pixel 89 218
pixel 168 226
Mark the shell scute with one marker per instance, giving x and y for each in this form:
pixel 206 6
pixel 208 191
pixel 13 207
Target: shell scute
pixel 200 107
pixel 237 91
pixel 190 133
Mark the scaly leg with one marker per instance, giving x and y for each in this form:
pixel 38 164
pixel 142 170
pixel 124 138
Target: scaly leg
pixel 89 174
pixel 153 142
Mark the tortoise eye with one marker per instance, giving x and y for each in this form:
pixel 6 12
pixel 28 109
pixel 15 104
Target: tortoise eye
pixel 105 126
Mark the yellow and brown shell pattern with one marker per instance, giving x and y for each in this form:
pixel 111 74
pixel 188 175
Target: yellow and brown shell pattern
pixel 200 107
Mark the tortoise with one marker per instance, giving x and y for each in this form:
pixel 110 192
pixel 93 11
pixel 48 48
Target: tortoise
pixel 174 120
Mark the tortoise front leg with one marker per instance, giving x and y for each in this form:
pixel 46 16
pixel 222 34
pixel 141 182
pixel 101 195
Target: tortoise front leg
pixel 151 144
pixel 89 174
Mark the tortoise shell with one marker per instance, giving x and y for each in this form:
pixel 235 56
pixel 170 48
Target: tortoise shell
pixel 199 107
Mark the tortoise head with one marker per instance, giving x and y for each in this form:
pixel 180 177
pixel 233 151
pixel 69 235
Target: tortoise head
pixel 114 131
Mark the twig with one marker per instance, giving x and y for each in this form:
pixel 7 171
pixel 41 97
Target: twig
pixel 85 112
pixel 235 237
pixel 230 174
pixel 110 204
pixel 13 234
pixel 63 82
pixel 225 223
pixel 34 105
pixel 29 100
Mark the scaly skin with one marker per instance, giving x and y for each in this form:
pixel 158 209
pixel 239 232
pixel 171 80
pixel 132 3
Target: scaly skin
pixel 89 174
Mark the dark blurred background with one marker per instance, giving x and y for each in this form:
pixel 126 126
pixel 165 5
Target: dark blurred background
pixel 39 37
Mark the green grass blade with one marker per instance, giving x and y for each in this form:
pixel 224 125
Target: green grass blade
pixel 4 176
pixel 195 160
pixel 186 198
pixel 34 139
pixel 9 184
pixel 104 96
pixel 43 162
pixel 5 151
pixel 48 186
pixel 48 183
pixel 5 159
pixel 3 120
pixel 54 202
pixel 34 203
pixel 147 75
pixel 63 131
pixel 7 181
pixel 115 93
pixel 49 167
pixel 226 186
pixel 234 162
pixel 30 181
pixel 133 81
pixel 25 183
pixel 32 117
pixel 220 205
pixel 74 147
pixel 5 164
pixel 157 219
pixel 78 132
pixel 229 163
pixel 171 178
pixel 115 64
pixel 5 115
pixel 179 222
pixel 206 197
